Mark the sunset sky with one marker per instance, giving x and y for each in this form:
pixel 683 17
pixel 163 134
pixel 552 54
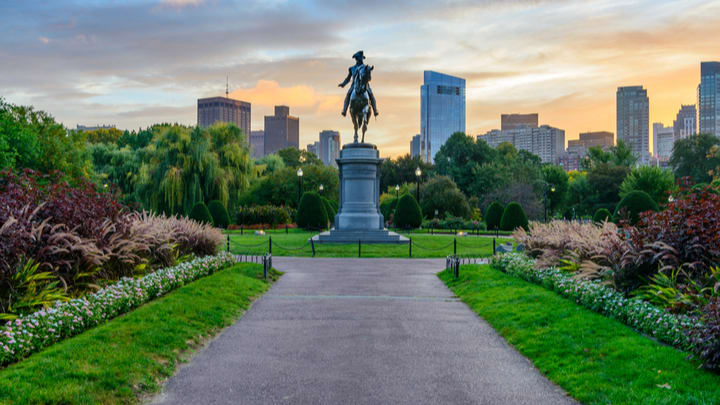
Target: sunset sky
pixel 135 63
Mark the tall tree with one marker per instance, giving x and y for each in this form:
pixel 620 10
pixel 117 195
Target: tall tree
pixel 691 157
pixel 459 156
pixel 555 176
pixel 402 170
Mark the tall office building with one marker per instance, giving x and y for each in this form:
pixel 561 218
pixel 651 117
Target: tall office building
pixel 633 109
pixel 514 121
pixel 442 110
pixel 223 109
pixel 709 99
pixel 257 144
pixel 329 148
pixel 663 141
pixel 416 148
pixel 577 148
pixel 685 123
pixel 281 130
pixel 544 141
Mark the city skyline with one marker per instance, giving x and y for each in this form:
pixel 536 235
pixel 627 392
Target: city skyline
pixel 144 62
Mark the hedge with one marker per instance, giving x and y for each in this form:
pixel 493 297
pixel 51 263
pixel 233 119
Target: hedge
pixel 264 214
pixel 200 213
pixel 219 214
pixel 601 215
pixel 407 213
pixel 493 215
pixel 632 205
pixel 311 213
pixel 513 217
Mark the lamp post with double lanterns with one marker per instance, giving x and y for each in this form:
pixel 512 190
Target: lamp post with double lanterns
pixel 300 183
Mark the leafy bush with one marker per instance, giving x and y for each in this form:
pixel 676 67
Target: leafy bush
pixel 513 217
pixel 311 213
pixel 706 338
pixel 219 214
pixel 387 207
pixel 656 182
pixel 30 289
pixel 329 209
pixel 407 213
pixel 601 215
pixel 264 214
pixel 442 194
pixel 28 334
pixel 634 203
pixel 201 213
pixel 493 215
pixel 683 235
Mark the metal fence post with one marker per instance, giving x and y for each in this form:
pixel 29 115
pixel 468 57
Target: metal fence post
pixel 312 244
pixel 457 267
pixel 455 246
pixel 286 228
pixel 228 243
pixel 265 266
pixel 410 248
pixel 493 246
pixel 270 245
pixel 359 247
pixel 241 229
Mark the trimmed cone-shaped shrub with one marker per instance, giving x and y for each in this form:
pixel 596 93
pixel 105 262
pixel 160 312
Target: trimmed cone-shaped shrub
pixel 219 214
pixel 630 207
pixel 601 215
pixel 513 217
pixel 201 214
pixel 493 215
pixel 311 213
pixel 407 212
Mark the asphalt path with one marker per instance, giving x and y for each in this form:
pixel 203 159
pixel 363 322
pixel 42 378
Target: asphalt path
pixel 359 331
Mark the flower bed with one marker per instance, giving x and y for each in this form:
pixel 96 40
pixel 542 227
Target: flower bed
pixel 633 312
pixel 41 329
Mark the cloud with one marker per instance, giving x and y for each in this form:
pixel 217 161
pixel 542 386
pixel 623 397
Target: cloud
pixel 181 3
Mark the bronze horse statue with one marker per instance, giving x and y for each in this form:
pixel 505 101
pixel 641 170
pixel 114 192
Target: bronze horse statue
pixel 360 101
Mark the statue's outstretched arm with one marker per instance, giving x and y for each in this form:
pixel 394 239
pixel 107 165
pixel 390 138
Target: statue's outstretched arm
pixel 347 79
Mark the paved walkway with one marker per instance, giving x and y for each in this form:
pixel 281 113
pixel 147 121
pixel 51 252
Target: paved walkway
pixel 359 331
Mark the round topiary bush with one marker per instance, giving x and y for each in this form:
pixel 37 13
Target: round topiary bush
pixel 513 217
pixel 200 213
pixel 630 207
pixel 311 213
pixel 601 215
pixel 407 212
pixel 219 214
pixel 493 215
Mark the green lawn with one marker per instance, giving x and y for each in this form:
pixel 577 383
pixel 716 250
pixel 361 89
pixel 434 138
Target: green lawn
pixel 129 356
pixel 594 358
pixel 295 243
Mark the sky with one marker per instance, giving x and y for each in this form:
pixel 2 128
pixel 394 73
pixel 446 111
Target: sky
pixel 134 63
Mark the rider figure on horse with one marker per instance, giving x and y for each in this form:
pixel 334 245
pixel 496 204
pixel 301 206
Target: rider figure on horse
pixel 352 73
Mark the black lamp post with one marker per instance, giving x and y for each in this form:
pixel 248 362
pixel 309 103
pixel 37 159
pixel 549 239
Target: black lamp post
pixel 397 192
pixel 548 188
pixel 418 173
pixel 300 184
pixel 321 188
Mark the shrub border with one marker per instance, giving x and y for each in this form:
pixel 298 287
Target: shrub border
pixel 32 333
pixel 633 312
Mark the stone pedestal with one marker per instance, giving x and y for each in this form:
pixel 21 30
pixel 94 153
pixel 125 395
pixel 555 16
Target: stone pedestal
pixel 359 216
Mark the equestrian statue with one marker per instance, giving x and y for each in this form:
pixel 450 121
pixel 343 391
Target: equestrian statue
pixel 359 97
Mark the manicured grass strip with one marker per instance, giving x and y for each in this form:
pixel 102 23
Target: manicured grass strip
pixel 296 244
pixel 596 359
pixel 130 355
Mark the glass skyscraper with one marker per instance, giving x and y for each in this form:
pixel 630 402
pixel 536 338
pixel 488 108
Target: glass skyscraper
pixel 633 121
pixel 709 99
pixel 442 110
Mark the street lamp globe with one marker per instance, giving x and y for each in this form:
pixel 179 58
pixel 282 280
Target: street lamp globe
pixel 418 172
pixel 300 172
pixel 321 187
pixel 397 187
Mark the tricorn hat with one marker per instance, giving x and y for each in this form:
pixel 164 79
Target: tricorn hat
pixel 359 54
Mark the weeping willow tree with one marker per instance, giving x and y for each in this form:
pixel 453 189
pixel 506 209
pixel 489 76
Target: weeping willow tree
pixel 184 166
